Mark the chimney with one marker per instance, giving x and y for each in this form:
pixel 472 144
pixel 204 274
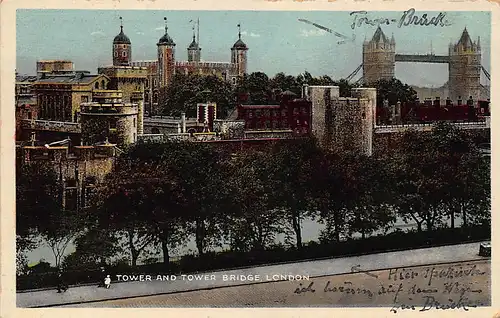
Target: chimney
pixel 183 122
pixel 448 101
pixel 305 92
pixel 437 102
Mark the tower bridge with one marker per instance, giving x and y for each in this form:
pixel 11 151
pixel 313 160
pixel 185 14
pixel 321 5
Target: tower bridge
pixel 422 58
pixel 463 59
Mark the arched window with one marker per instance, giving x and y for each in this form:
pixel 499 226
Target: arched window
pixel 124 53
pixel 96 85
pixel 115 54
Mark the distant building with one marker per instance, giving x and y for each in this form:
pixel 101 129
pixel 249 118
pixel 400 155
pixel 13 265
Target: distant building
pixel 463 59
pixel 79 168
pixel 59 96
pixel 161 71
pixel 379 57
pixel 343 123
pixel 465 68
pixel 290 116
pixel 109 118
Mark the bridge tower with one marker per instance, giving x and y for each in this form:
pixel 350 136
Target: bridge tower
pixel 465 68
pixel 379 57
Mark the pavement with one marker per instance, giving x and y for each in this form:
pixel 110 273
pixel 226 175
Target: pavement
pixel 366 289
pixel 217 279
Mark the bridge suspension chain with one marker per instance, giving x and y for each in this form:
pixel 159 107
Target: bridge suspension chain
pixel 349 78
pixel 486 73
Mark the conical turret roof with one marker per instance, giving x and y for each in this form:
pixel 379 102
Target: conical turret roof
pixel 194 45
pixel 465 39
pixel 379 36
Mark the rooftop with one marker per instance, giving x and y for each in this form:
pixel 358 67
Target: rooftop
pixel 79 78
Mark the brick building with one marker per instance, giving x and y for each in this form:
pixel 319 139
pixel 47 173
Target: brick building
pixel 288 114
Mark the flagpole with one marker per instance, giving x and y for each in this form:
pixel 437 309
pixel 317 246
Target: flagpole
pixel 198 26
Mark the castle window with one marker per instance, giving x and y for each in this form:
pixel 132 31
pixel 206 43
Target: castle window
pixel 363 115
pixel 134 123
pixel 234 80
pixel 96 85
pixel 115 54
pixel 124 53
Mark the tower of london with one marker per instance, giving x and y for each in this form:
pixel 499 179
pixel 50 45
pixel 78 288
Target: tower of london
pixel 160 72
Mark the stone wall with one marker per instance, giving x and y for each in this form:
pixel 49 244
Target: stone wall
pixel 320 97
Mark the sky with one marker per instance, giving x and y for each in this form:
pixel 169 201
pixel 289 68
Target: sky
pixel 277 40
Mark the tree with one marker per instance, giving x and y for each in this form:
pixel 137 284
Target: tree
pixel 186 91
pixel 334 194
pixel 284 82
pixel 393 90
pixel 345 87
pixel 93 248
pixel 39 209
pixel 293 166
pixel 122 200
pixel 257 85
pixel 370 207
pixel 255 221
pixel 200 174
pixel 417 186
pixel 465 174
pixel 38 191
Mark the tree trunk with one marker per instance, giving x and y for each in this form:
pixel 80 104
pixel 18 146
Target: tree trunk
pixel 337 225
pixel 164 247
pixel 200 236
pixel 464 215
pixel 296 228
pixel 419 226
pixel 133 251
pixel 452 216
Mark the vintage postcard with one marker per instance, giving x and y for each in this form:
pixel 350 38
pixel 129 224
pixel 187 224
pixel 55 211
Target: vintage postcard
pixel 276 155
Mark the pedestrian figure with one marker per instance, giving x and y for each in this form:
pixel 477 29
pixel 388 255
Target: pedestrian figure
pixel 107 282
pixel 103 277
pixel 61 285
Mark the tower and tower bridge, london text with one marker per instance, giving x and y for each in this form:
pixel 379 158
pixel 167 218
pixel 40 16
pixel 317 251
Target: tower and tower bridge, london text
pixel 212 277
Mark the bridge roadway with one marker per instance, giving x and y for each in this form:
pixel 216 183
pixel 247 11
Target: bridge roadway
pixel 422 58
pixel 335 266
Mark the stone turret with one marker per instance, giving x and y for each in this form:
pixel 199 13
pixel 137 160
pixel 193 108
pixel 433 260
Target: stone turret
pixel 379 55
pixel 166 58
pixel 465 68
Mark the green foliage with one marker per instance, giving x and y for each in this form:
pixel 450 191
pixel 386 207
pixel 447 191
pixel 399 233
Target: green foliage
pixel 393 90
pixel 37 195
pixel 186 91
